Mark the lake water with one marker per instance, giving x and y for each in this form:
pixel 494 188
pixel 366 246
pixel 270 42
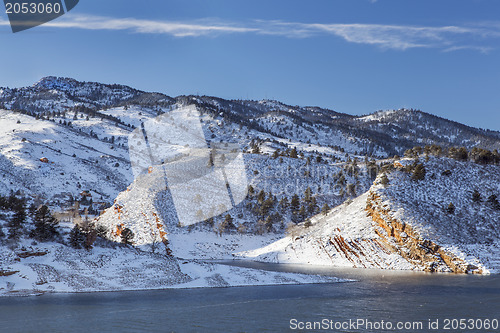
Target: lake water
pixel 393 297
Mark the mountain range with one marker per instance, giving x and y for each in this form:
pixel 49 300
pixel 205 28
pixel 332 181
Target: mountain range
pixel 394 189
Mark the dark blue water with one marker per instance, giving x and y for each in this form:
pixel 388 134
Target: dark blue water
pixel 378 295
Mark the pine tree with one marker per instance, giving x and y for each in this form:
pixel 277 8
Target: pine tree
pixel 351 189
pixel 210 162
pixel 476 196
pixel 418 172
pixel 266 206
pixel 228 221
pixel 451 208
pixel 261 196
pixel 302 212
pixel 325 208
pixel 283 205
pixel 293 153
pixel 76 238
pixel 15 224
pixel 313 206
pixel 493 201
pixel 308 195
pixel 251 190
pixel 126 236
pixel 295 203
pixel 269 222
pixel 45 225
pixel 226 224
pixel 384 180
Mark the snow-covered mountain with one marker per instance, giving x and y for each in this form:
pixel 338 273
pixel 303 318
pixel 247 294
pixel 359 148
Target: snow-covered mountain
pixel 311 195
pixel 383 133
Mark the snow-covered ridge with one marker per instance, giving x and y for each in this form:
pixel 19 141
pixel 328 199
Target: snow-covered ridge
pixel 385 133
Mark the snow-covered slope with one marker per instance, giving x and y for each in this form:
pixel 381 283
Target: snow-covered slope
pixel 406 224
pixel 55 162
pixel 344 237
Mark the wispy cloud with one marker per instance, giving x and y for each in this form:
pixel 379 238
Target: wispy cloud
pixel 176 29
pixel 482 37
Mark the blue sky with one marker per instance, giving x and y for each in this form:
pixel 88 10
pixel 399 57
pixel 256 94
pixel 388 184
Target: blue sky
pixel 354 56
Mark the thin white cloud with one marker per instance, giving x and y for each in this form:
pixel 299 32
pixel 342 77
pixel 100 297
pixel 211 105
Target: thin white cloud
pixel 387 36
pixel 176 29
pixel 482 37
pixel 482 49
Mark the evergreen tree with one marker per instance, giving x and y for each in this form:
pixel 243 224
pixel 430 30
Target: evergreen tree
pixel 295 203
pixel 313 206
pixel 210 162
pixel 15 224
pixel 226 224
pixel 293 153
pixel 302 212
pixel 384 180
pixel 451 208
pixel 76 238
pixel 269 222
pixel 251 190
pixel 308 195
pixel 45 225
pixel 266 206
pixel 372 169
pixel 351 189
pixel 228 221
pixel 418 172
pixel 476 196
pixel 283 204
pixel 493 201
pixel 126 236
pixel 261 196
pixel 325 208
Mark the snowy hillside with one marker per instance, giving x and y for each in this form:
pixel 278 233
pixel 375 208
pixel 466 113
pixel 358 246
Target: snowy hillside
pixel 55 162
pixel 447 221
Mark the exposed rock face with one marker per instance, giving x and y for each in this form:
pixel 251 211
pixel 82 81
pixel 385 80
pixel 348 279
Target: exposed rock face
pixel 139 209
pixel 403 239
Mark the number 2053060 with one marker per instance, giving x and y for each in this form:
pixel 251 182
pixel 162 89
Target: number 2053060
pixel 33 8
pixel 470 324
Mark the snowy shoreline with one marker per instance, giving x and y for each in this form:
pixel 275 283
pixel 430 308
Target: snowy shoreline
pixel 63 270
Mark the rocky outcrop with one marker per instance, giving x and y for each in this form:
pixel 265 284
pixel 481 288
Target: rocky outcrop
pixel 404 240
pixel 7 273
pixel 27 254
